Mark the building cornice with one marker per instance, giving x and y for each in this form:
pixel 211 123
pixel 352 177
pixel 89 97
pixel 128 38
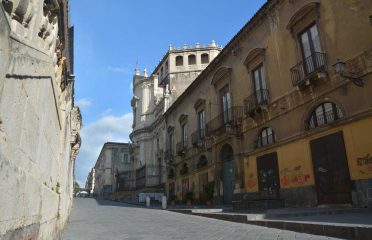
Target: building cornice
pixel 258 18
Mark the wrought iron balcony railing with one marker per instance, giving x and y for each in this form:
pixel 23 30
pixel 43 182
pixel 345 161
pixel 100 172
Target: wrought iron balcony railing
pixel 197 137
pixel 228 119
pixel 181 148
pixel 305 69
pixel 256 100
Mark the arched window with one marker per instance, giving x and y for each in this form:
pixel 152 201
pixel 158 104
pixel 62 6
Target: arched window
pixel 192 59
pixel 179 61
pixel 204 58
pixel 325 113
pixel 266 137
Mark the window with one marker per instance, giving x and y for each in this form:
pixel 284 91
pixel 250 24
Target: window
pixel 166 66
pixel 204 58
pixel 311 49
pixel 226 104
pixel 266 137
pixel 201 123
pixel 171 142
pixel 323 114
pixel 192 59
pixel 260 85
pixel 184 135
pixel 161 72
pixel 125 158
pixel 179 61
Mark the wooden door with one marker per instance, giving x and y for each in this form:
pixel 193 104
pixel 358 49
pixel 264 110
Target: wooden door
pixel 331 169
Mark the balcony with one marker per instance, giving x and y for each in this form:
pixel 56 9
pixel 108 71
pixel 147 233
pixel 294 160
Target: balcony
pixel 197 138
pixel 309 69
pixel 256 101
pixel 181 148
pixel 228 120
pixel 184 170
pixel 168 156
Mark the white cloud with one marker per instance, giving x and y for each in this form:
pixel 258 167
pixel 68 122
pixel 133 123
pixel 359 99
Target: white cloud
pixel 125 70
pixel 108 128
pixel 83 102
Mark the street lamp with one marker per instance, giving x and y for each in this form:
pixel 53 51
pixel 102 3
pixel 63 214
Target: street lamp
pixel 340 67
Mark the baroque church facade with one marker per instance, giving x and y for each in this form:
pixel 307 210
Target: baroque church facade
pixel 152 96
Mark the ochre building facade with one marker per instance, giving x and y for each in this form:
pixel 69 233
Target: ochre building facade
pixel 282 116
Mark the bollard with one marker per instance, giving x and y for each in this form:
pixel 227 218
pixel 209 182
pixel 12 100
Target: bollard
pixel 148 201
pixel 164 202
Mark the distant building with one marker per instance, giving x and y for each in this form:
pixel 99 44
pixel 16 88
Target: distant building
pixel 89 185
pixel 152 97
pixel 109 171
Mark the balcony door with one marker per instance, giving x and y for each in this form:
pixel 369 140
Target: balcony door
pixel 226 105
pixel 311 49
pixel 201 123
pixel 260 85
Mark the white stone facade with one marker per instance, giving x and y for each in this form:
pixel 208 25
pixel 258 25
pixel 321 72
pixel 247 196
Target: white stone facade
pixel 152 96
pixel 111 168
pixel 39 125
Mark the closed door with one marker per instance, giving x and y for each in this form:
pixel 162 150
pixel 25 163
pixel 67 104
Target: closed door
pixel 268 176
pixel 228 181
pixel 331 169
pixel 203 180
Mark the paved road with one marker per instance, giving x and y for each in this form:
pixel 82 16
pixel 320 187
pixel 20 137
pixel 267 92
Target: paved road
pixel 96 219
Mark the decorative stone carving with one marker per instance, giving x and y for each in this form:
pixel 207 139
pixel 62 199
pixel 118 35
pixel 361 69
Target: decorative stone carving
pixel 76 122
pixel 20 10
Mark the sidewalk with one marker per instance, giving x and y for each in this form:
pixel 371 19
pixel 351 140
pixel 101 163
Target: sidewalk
pixel 346 223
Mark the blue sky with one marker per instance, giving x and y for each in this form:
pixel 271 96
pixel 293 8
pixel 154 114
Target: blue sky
pixel 112 36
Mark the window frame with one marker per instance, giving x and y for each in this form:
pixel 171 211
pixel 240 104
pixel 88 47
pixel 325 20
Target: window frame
pixel 193 58
pixel 179 63
pixel 184 134
pixel 201 58
pixel 313 120
pixel 226 105
pixel 201 124
pixel 265 140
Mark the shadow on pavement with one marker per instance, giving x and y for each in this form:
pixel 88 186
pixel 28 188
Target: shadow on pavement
pixel 104 202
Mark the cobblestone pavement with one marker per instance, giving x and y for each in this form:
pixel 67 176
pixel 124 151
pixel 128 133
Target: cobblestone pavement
pixel 97 219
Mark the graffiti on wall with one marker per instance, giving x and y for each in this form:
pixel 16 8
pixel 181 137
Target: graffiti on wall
pixel 251 181
pixel 293 176
pixel 366 163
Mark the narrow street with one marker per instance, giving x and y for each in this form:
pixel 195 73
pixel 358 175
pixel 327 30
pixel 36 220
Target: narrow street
pixel 98 219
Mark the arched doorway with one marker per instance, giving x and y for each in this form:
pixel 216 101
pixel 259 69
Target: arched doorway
pixel 228 173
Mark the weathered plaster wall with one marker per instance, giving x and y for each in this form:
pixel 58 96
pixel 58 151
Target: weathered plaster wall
pixel 39 126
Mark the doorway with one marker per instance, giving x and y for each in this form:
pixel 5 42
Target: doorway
pixel 268 176
pixel 332 179
pixel 228 173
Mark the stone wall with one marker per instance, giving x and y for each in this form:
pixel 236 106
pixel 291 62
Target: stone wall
pixel 39 125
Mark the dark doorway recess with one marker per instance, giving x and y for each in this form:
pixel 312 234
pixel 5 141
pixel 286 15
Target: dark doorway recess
pixel 331 170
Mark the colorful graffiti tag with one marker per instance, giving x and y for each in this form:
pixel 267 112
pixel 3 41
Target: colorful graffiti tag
pixel 251 181
pixel 366 163
pixel 293 176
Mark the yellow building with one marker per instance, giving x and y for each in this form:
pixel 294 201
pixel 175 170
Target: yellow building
pixel 279 118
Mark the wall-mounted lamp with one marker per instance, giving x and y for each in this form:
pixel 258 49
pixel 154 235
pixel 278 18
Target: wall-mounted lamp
pixel 339 67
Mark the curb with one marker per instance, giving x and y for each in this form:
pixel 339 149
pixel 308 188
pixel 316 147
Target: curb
pixel 337 231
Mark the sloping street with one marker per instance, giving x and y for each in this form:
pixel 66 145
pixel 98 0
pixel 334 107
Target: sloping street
pixel 98 219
